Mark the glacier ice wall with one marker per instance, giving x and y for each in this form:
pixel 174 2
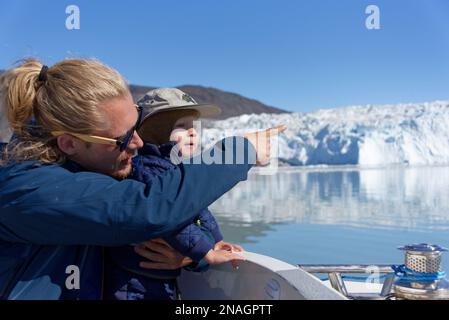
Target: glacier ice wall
pixel 415 134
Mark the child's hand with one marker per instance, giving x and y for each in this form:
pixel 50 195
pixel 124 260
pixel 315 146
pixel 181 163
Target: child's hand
pixel 222 256
pixel 221 245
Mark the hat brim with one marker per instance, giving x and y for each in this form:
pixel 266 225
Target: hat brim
pixel 169 116
pixel 204 110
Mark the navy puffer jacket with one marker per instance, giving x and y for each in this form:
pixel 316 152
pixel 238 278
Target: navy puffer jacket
pixel 193 241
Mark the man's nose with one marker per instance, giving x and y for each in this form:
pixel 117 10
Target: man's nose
pixel 136 141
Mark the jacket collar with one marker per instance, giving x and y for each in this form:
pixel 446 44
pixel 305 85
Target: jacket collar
pixel 73 166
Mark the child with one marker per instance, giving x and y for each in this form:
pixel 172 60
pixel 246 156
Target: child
pixel 167 122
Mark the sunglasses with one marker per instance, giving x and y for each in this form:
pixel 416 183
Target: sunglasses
pixel 121 142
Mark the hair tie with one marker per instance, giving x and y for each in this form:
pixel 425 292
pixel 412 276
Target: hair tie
pixel 43 74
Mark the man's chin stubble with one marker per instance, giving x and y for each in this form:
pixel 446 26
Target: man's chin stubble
pixel 122 174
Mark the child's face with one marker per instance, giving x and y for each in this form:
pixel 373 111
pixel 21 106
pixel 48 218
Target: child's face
pixel 186 135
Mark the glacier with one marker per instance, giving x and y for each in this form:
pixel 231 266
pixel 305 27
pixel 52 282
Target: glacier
pixel 372 135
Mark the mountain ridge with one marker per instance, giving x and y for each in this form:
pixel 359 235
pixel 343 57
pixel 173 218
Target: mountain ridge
pixel 232 104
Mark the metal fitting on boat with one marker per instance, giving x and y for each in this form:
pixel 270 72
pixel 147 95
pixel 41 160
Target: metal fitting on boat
pixel 421 277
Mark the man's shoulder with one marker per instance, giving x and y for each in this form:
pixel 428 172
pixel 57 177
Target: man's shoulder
pixel 23 166
pixel 33 170
pixel 30 166
pixel 31 182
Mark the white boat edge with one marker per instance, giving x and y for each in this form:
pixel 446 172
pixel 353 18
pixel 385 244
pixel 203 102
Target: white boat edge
pixel 259 277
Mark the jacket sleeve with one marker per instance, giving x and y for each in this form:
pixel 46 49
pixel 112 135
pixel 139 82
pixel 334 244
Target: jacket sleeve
pixel 191 242
pixel 51 206
pixel 208 221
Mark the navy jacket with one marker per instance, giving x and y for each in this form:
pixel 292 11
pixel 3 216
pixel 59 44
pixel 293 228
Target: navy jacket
pixel 54 218
pixel 194 240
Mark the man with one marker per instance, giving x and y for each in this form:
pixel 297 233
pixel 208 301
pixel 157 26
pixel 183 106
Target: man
pixel 62 192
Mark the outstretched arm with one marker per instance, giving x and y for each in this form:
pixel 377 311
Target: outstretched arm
pixel 50 205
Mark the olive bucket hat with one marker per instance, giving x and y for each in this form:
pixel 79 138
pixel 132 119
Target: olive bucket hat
pixel 162 107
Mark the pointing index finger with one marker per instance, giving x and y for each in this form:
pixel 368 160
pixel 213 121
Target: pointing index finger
pixel 276 130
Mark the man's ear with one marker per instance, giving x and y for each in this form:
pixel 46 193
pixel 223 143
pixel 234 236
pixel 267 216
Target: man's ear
pixel 67 144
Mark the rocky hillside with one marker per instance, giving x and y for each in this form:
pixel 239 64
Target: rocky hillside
pixel 232 104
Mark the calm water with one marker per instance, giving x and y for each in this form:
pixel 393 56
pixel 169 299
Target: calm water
pixel 342 215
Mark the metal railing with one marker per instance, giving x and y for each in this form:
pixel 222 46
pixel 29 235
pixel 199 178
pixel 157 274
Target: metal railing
pixel 334 272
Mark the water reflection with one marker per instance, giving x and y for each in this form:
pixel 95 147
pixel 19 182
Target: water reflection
pixel 413 198
pixel 243 232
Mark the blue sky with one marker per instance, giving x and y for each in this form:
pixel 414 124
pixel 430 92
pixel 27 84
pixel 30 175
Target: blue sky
pixel 298 55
